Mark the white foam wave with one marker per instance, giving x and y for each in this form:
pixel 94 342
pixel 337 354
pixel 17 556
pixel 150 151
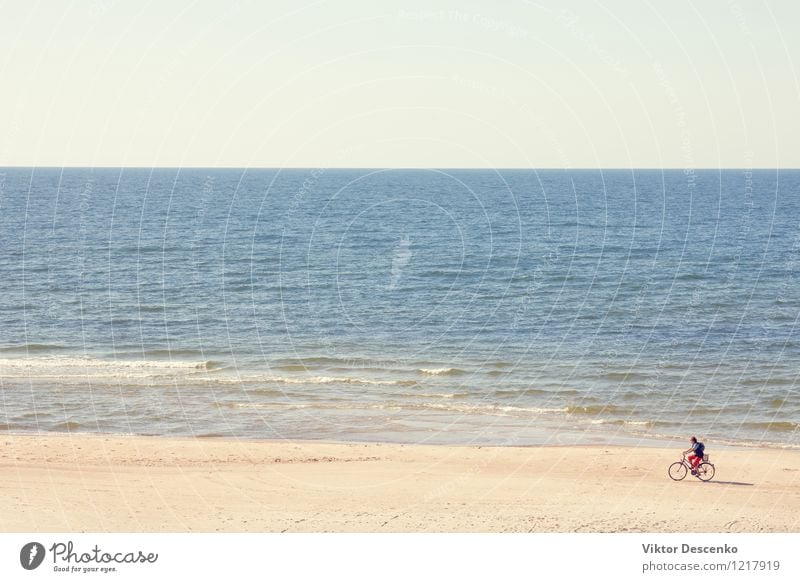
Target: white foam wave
pixel 271 406
pixel 264 378
pixel 436 394
pixel 66 368
pixel 404 406
pixel 474 408
pixel 442 371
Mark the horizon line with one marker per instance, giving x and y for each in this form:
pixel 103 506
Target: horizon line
pixel 498 168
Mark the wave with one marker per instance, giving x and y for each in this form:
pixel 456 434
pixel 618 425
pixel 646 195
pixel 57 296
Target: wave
pixel 211 365
pixel 172 353
pixel 363 369
pixel 32 348
pixel 775 426
pixel 263 378
pixel 621 376
pixel 447 395
pixel 768 382
pixel 66 427
pixel 620 422
pixel 315 361
pixel 445 407
pixel 35 415
pixel 147 248
pixel 266 391
pixel 442 371
pixel 20 306
pixel 339 369
pixel 715 411
pixel 597 409
pixel 76 369
pixel 493 409
pixel 89 368
pixel 500 364
pixel 512 392
pixel 265 406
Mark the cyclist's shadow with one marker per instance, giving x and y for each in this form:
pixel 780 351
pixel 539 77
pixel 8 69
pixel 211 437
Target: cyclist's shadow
pixel 730 483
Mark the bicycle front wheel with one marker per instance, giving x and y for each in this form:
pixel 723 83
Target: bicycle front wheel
pixel 705 471
pixel 677 471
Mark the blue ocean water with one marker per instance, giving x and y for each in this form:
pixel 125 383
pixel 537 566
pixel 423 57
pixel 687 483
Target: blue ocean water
pixel 457 306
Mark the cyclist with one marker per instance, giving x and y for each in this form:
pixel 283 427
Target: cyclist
pixel 695 454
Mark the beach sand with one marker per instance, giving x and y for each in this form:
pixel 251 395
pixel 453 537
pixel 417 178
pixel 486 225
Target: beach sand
pixel 152 484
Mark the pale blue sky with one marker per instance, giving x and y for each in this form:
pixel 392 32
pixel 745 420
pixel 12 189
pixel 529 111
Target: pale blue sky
pixel 412 84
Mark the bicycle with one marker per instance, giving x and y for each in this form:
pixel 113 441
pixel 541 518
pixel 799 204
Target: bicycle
pixel 679 469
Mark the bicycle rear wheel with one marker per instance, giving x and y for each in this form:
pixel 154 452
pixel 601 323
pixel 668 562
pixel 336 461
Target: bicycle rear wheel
pixel 677 471
pixel 705 471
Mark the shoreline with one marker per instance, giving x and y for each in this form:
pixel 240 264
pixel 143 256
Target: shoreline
pixel 611 440
pixel 67 482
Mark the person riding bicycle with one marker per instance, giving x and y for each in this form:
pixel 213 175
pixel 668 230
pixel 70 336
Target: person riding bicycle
pixel 695 454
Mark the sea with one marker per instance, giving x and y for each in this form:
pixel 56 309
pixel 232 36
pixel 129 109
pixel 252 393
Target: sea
pixel 426 306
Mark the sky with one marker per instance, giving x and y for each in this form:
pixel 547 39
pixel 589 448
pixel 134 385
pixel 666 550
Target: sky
pixel 447 84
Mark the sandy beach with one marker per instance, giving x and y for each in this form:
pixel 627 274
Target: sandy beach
pixel 145 484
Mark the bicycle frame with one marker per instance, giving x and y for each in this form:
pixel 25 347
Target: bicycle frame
pixel 685 461
pixel 705 470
